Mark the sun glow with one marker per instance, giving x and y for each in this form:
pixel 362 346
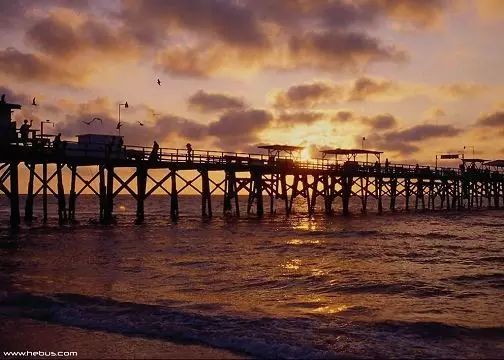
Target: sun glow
pixel 305 154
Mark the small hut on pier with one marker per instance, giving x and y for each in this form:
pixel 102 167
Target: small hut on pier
pixel 350 155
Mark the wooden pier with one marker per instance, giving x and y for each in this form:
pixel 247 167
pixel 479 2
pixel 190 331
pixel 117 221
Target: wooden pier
pixel 278 176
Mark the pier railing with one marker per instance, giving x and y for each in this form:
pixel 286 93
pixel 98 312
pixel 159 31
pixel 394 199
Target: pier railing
pixel 72 149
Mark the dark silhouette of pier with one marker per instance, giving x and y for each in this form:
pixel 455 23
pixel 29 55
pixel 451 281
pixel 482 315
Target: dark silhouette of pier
pixel 277 175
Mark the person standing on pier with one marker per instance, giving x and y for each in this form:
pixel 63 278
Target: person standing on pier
pixel 57 141
pixel 154 155
pixel 24 130
pixel 190 152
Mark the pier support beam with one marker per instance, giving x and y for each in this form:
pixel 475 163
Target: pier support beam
pixel 393 193
pixel 174 205
pixel 62 214
pixel 256 192
pixel 327 196
pixel 72 198
pixel 102 192
pixel 379 192
pixel 496 192
pixel 29 196
pixel 109 200
pixel 230 193
pixel 284 196
pixel 206 200
pixel 141 188
pixel 45 186
pixel 14 195
pixel 407 192
pixel 346 192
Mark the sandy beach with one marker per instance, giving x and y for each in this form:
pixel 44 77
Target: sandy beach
pixel 31 335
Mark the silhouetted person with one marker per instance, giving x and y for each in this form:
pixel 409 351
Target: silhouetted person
pixel 57 141
pixel 386 163
pixel 154 155
pixel 2 100
pixel 189 152
pixel 24 130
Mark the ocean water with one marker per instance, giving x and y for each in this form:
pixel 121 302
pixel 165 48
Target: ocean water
pixel 407 284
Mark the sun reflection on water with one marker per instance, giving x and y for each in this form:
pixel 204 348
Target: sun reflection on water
pixel 303 242
pixel 331 309
pixel 293 264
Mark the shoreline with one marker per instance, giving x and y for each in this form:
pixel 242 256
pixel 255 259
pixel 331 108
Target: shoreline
pixel 22 334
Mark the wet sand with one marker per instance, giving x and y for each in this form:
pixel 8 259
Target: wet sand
pixel 30 335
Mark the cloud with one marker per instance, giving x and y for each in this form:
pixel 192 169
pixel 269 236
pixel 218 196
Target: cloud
pixel 421 14
pixel 346 14
pixel 26 66
pixel 14 97
pixel 435 112
pixel 65 33
pixel 307 95
pixel 207 102
pixel 462 90
pixel 336 50
pixel 226 21
pixel 237 129
pixel 300 117
pixel 324 51
pixel 492 120
pixel 206 59
pixel 407 141
pixel 164 127
pixel 365 88
pixel 343 116
pixel 491 9
pixel 18 12
pixel 380 122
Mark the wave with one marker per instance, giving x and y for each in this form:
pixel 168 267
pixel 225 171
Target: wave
pixel 495 280
pixel 261 337
pixel 416 289
pixel 324 336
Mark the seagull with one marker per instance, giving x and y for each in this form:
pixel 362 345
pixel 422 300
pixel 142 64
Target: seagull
pixel 2 101
pixel 119 125
pixel 90 122
pixel 34 103
pixel 140 123
pixel 159 82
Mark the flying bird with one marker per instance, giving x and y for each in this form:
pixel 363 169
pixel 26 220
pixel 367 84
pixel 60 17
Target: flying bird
pixel 159 82
pixel 140 123
pixel 119 125
pixel 90 122
pixel 34 103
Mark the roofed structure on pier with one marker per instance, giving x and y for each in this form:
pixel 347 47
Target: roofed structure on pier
pixel 473 160
pixel 351 154
pixel 495 163
pixel 277 150
pixel 474 163
pixel 7 125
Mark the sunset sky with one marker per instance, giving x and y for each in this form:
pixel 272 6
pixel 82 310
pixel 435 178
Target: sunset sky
pixel 414 77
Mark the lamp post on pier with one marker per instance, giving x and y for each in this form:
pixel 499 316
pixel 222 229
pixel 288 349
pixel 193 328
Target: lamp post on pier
pixel 42 126
pixel 472 149
pixel 118 127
